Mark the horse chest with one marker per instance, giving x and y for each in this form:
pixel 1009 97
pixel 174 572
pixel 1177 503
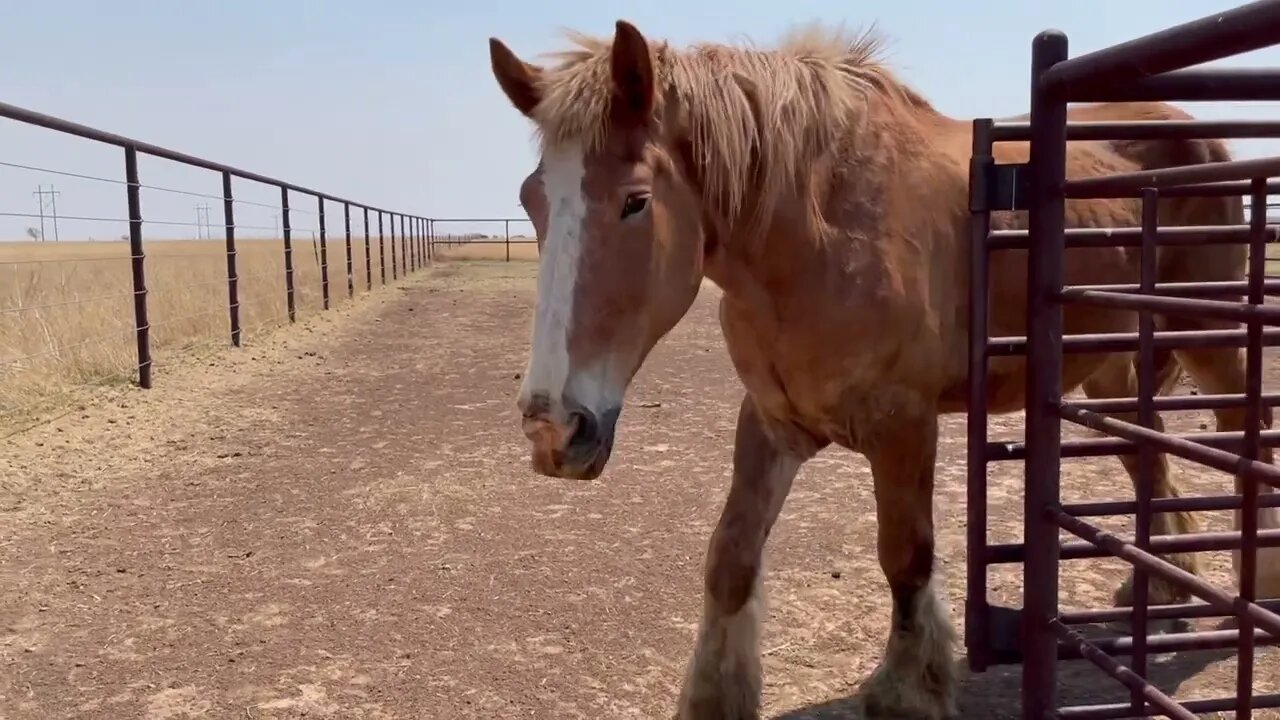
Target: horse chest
pixel 806 380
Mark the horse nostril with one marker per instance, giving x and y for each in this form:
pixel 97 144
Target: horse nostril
pixel 586 429
pixel 536 406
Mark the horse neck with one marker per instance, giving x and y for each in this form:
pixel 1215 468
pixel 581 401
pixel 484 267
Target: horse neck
pixel 834 218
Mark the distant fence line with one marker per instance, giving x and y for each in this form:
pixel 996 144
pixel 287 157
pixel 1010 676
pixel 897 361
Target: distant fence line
pixel 474 238
pixel 417 233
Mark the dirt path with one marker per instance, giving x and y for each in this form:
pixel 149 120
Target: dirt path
pixel 342 524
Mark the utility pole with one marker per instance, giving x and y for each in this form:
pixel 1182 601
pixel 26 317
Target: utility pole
pixel 204 230
pixel 40 194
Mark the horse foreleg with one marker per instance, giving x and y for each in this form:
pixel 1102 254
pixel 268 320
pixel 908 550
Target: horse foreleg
pixel 724 677
pixel 917 678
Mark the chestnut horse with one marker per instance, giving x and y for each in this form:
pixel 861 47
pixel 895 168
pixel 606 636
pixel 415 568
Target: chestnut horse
pixel 829 202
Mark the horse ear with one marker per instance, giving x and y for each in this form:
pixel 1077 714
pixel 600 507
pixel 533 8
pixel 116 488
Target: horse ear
pixel 632 69
pixel 519 79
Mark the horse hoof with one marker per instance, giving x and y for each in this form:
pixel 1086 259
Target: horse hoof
pixel 890 697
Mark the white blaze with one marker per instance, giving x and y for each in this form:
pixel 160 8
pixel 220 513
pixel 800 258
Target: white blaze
pixel 548 371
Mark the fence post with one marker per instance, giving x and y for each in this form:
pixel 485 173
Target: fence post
pixel 324 257
pixel 141 325
pixel 346 218
pixel 233 279
pixel 1044 382
pixel 288 255
pixel 368 258
pixel 406 231
pixel 404 246
pixel 431 238
pixel 422 240
pixel 506 232
pixel 408 236
pixel 382 251
pixel 391 230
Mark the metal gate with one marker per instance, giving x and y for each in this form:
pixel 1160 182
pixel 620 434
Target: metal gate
pixel 1037 635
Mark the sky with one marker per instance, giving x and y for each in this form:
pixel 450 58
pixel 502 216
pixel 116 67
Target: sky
pixel 392 102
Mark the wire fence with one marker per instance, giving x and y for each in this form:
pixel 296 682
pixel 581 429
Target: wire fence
pixel 76 314
pixel 483 238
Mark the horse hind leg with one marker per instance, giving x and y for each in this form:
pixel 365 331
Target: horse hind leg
pixel 1116 378
pixel 1221 370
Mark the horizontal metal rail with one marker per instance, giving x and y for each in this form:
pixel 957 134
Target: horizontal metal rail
pixel 1189 503
pixel 1235 288
pixel 1223 34
pixel 1013 345
pixel 1097 447
pixel 1106 186
pixel 1116 711
pixel 1174 402
pixel 1199 307
pixel 1180 611
pixel 1116 547
pixel 31 117
pixel 484 220
pixel 1009 553
pixel 1132 236
pixel 1020 130
pixel 1198 84
pixel 1185 449
pixel 1127 677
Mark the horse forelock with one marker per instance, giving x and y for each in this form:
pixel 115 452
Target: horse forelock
pixel 756 120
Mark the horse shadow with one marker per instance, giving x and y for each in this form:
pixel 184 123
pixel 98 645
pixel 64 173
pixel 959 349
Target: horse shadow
pixel 996 693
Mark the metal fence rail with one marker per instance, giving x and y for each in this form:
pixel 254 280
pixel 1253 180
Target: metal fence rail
pixel 1038 634
pixel 415 247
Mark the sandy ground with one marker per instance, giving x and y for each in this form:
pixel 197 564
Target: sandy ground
pixel 342 523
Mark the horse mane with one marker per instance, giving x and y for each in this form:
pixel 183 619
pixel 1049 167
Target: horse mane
pixel 756 119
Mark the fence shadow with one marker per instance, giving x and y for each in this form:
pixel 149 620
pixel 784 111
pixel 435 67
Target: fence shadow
pixel 994 695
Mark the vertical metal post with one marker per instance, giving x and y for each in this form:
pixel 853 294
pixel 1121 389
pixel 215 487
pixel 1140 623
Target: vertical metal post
pixel 506 233
pixel 141 324
pixel 382 251
pixel 1253 414
pixel 368 257
pixel 404 248
pixel 288 255
pixel 413 242
pixel 391 224
pixel 1146 454
pixel 431 238
pixel 346 219
pixel 977 611
pixel 233 279
pixel 324 257
pixel 1046 219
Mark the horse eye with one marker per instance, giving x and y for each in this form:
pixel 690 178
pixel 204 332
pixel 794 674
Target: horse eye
pixel 634 204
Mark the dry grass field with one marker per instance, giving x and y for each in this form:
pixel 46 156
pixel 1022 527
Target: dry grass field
pixel 67 319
